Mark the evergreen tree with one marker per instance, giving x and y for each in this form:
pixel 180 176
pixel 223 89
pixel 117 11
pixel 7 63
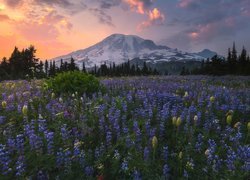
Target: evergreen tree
pixel 144 69
pixel 62 66
pixel 243 56
pixel 72 65
pixel 234 54
pixel 83 67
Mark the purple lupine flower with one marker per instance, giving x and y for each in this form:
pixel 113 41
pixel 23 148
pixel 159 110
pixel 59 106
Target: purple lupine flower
pixel 2 119
pixel 148 127
pixel 64 132
pixel 102 123
pixel 67 160
pixel 199 142
pixel 135 126
pixel 5 160
pixel 165 170
pixel 20 143
pixel 138 135
pixel 150 113
pixel 125 130
pixel 136 175
pixel 117 128
pixel 165 153
pixel 185 174
pixel 97 153
pixel 82 158
pixel 146 154
pixel 236 138
pixel 128 142
pixel 162 129
pixel 152 133
pixel 109 138
pixel 89 171
pixel 60 158
pixel 217 163
pixel 116 154
pixel 41 175
pixel 124 106
pixel 50 142
pixel 37 142
pixel 76 150
pixel 211 151
pixel 42 126
pixel 20 166
pixel 124 165
pixel 231 158
pixel 11 143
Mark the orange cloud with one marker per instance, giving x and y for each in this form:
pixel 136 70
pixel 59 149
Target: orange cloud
pixel 43 30
pixel 193 35
pixel 137 5
pixel 4 17
pixel 155 17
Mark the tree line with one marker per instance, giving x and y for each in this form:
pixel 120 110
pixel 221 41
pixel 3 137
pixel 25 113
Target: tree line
pixel 124 69
pixel 23 64
pixel 232 65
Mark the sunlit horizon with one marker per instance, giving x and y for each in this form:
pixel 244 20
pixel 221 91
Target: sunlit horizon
pixel 57 28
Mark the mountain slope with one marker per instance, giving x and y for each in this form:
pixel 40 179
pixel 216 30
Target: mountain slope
pixel 206 53
pixel 119 48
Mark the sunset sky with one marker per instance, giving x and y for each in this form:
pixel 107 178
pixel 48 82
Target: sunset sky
pixel 57 27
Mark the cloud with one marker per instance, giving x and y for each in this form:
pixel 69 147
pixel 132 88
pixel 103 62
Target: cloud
pixel 102 16
pixel 63 3
pixel 4 17
pixel 45 28
pixel 155 17
pixel 139 6
pixel 180 40
pixel 188 4
pixel 53 18
pixel 203 34
pixel 104 4
pixel 67 5
pixel 13 3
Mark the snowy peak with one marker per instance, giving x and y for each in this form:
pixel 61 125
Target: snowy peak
pixel 206 53
pixel 119 48
pixel 128 43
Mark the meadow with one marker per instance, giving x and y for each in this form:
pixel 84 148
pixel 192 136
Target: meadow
pixel 172 127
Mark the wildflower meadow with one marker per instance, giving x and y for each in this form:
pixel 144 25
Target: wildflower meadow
pixel 169 127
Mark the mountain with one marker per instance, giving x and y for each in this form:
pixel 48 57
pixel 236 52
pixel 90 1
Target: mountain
pixel 119 48
pixel 206 53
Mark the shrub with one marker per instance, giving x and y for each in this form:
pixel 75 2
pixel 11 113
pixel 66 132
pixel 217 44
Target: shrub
pixel 74 81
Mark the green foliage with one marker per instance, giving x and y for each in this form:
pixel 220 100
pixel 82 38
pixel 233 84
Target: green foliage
pixel 74 81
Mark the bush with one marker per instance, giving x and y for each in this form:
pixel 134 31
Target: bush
pixel 74 81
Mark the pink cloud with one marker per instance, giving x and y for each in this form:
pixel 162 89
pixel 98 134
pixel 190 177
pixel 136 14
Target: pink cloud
pixel 45 27
pixel 184 3
pixel 4 17
pixel 155 17
pixel 138 5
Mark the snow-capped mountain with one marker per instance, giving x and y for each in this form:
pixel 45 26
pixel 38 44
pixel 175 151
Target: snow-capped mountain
pixel 120 48
pixel 206 53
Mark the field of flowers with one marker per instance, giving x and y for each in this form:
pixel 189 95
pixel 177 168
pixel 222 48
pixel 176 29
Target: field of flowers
pixel 141 128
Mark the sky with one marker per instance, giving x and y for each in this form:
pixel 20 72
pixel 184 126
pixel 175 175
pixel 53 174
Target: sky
pixel 58 27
